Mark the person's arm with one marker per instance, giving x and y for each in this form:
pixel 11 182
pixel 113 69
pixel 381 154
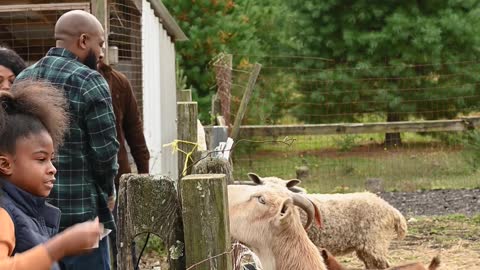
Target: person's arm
pixel 35 258
pixel 75 240
pixel 132 126
pixel 100 122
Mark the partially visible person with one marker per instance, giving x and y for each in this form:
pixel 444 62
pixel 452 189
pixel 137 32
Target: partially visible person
pixel 87 163
pixel 128 122
pixel 11 64
pixel 129 129
pixel 33 120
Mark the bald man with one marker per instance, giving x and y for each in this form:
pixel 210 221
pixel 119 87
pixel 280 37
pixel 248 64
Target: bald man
pixel 86 162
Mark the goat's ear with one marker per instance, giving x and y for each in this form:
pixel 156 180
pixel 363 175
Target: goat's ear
pixel 284 218
pixel 255 178
pixel 293 182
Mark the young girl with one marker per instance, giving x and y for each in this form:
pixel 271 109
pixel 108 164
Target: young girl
pixel 33 120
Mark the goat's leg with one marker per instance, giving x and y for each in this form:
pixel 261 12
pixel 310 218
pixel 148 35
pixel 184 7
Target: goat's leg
pixel 373 260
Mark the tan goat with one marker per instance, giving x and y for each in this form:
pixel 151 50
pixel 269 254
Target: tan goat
pixel 269 224
pixel 360 222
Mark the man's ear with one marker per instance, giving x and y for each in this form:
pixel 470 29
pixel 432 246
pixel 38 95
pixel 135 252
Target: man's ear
pixel 6 165
pixel 82 41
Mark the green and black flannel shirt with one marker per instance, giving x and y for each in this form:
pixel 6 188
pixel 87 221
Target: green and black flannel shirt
pixel 87 161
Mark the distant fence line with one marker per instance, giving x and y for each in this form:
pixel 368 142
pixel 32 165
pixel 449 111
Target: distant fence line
pixel 463 124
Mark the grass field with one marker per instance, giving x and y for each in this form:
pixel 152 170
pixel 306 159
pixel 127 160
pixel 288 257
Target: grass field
pixel 344 163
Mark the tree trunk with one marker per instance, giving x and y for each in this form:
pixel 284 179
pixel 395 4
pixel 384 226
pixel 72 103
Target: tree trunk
pixel 393 139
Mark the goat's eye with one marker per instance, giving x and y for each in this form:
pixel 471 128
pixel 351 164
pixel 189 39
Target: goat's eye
pixel 261 199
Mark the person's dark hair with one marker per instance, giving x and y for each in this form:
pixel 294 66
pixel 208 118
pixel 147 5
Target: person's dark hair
pixel 31 107
pixel 11 60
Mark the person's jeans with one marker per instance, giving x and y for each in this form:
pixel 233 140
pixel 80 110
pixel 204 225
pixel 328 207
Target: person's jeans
pixel 98 259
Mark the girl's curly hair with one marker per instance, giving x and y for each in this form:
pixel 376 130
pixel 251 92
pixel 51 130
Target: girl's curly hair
pixel 31 107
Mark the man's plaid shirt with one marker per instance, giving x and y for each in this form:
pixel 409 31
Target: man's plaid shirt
pixel 86 162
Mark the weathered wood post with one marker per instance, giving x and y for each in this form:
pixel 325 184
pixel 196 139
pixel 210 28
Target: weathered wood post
pixel 214 165
pixel 245 100
pixel 223 76
pixel 185 95
pixel 206 223
pixel 147 204
pixel 99 9
pixel 187 131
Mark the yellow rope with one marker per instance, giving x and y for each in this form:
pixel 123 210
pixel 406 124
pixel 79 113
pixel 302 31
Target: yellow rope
pixel 175 147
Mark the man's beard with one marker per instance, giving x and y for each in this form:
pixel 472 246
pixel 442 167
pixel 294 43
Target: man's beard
pixel 91 60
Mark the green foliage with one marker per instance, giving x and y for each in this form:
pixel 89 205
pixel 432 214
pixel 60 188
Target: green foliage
pixel 243 27
pixel 181 78
pixel 370 41
pixel 212 27
pixel 154 244
pixel 341 189
pixel 346 143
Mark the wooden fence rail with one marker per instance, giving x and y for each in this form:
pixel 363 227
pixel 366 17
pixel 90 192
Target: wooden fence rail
pixel 359 128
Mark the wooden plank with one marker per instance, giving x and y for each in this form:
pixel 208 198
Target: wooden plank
pixel 167 21
pixel 43 7
pixel 360 128
pixel 39 2
pixel 245 100
pixel 187 131
pixel 138 5
pixel 205 219
pixel 100 11
pixel 221 121
pixel 185 95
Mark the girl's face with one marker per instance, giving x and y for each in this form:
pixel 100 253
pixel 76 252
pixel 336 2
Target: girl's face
pixel 31 167
pixel 6 78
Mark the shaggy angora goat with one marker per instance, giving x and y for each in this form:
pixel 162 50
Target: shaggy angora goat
pixel 332 263
pixel 360 222
pixel 268 223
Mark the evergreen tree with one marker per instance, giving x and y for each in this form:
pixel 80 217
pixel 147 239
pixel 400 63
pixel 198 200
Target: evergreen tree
pixel 401 58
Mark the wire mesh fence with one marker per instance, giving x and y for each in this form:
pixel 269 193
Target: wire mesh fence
pixel 126 34
pixel 313 91
pixel 29 29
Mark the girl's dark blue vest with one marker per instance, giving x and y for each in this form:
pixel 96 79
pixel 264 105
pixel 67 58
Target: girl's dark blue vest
pixel 35 220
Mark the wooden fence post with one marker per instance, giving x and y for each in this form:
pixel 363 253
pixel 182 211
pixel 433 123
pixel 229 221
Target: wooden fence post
pixel 148 204
pixel 223 76
pixel 100 9
pixel 206 223
pixel 245 100
pixel 187 131
pixel 185 95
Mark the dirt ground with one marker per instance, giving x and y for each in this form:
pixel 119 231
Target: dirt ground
pixel 455 238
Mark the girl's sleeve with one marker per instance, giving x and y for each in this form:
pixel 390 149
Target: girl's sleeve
pixel 35 258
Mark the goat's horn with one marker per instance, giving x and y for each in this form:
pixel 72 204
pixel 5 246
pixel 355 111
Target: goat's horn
pixel 306 205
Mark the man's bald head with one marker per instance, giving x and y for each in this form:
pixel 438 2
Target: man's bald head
pixel 74 23
pixel 82 34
